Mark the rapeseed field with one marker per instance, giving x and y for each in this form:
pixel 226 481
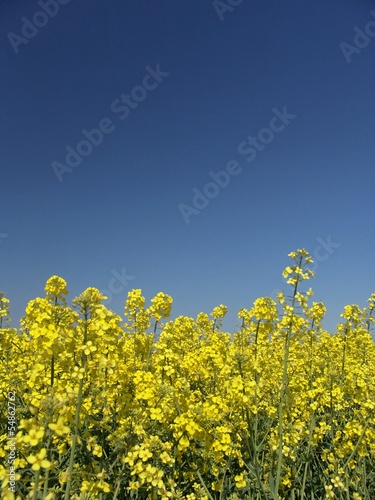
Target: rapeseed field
pixel 98 406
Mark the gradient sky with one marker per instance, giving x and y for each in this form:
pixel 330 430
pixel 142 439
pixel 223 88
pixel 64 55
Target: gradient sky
pixel 225 72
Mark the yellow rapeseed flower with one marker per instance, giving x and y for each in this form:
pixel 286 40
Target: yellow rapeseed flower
pixel 37 461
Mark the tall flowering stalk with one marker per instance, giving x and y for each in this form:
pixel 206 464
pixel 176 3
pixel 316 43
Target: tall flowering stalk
pixel 295 275
pixel 4 309
pixel 86 304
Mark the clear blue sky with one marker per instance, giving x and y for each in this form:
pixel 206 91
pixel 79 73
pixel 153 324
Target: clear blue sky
pixel 217 76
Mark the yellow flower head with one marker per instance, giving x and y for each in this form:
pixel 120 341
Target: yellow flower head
pixel 219 311
pixel 34 436
pixel 265 308
pixel 4 307
pixel 135 302
pixel 38 461
pixel 56 288
pixel 161 306
pixel 59 428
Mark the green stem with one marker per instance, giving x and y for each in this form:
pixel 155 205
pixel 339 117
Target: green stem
pixel 36 484
pixel 312 425
pixel 74 441
pixel 283 391
pixel 204 485
pixel 76 419
pixel 52 369
pixel 344 351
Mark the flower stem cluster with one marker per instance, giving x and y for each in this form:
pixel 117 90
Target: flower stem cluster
pixel 106 409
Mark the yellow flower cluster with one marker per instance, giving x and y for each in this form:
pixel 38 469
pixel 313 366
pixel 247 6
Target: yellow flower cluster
pixel 4 309
pixel 281 409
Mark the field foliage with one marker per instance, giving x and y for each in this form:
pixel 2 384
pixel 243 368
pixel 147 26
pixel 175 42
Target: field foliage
pixel 145 408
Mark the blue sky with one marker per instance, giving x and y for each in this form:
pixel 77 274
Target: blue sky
pixel 182 91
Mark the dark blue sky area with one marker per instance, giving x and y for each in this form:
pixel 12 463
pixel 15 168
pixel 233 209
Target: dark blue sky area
pixel 277 96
